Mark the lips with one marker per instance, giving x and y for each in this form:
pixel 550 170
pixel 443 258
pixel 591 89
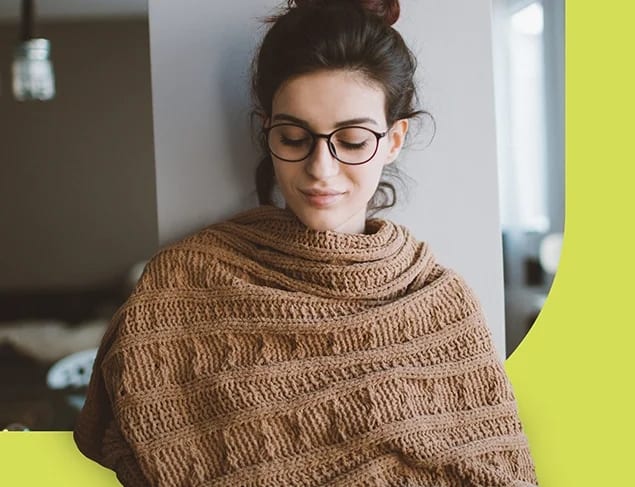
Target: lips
pixel 321 192
pixel 322 198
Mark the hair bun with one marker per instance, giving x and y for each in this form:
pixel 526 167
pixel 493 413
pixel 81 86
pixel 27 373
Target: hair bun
pixel 388 10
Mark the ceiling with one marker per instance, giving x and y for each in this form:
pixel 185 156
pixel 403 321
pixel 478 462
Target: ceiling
pixel 76 9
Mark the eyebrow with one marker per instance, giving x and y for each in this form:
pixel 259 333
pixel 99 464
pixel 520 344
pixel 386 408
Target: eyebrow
pixel 285 117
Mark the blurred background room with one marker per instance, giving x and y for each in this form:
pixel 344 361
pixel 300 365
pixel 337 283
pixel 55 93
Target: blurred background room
pixel 78 193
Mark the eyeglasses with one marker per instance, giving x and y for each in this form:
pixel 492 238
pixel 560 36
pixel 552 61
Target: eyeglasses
pixel 350 145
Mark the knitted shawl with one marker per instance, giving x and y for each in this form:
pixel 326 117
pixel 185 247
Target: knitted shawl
pixel 259 352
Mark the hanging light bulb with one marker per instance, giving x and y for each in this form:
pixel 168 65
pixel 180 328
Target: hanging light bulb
pixel 33 77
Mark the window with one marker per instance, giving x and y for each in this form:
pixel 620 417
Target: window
pixel 528 42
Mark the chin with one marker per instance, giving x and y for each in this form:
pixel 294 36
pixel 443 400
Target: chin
pixel 337 217
pixel 317 222
pixel 317 219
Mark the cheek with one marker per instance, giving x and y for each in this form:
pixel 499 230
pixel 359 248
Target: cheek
pixel 366 177
pixel 280 172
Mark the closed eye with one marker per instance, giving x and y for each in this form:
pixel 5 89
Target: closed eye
pixel 294 142
pixel 352 145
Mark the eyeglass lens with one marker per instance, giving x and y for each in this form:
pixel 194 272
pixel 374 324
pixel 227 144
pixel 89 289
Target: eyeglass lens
pixel 352 145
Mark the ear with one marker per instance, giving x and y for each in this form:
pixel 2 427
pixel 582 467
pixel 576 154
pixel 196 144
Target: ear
pixel 259 118
pixel 396 138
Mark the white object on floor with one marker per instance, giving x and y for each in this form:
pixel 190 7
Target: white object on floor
pixel 72 371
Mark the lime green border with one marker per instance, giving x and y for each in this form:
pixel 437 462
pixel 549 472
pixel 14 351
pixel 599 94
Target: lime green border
pixel 48 458
pixel 573 372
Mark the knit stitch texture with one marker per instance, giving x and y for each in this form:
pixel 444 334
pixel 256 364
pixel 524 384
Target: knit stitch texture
pixel 259 352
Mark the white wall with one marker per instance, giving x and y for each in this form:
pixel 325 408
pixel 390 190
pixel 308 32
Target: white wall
pixel 454 204
pixel 205 158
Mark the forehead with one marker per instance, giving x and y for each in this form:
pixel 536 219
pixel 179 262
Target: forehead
pixel 324 98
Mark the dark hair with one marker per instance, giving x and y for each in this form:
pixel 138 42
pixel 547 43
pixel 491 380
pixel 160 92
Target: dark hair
pixel 316 35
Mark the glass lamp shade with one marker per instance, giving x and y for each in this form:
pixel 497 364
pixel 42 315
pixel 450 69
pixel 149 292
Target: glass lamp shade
pixel 33 77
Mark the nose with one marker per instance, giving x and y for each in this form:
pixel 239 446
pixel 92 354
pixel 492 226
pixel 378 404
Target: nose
pixel 321 164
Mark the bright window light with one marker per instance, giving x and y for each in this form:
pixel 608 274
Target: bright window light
pixel 529 20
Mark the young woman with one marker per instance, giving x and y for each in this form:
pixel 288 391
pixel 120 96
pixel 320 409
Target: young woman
pixel 309 344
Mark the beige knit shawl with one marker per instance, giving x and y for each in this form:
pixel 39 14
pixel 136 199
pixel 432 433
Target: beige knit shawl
pixel 259 352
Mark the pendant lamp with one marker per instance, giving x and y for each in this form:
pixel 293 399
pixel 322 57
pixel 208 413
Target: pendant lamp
pixel 33 77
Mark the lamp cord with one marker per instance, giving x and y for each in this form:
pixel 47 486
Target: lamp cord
pixel 28 11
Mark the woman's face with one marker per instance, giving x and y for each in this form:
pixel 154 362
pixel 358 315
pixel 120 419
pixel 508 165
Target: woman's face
pixel 322 102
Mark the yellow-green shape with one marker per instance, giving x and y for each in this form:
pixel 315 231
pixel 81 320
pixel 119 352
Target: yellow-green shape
pixel 573 373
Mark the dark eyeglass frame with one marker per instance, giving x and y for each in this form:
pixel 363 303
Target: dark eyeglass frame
pixel 315 136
